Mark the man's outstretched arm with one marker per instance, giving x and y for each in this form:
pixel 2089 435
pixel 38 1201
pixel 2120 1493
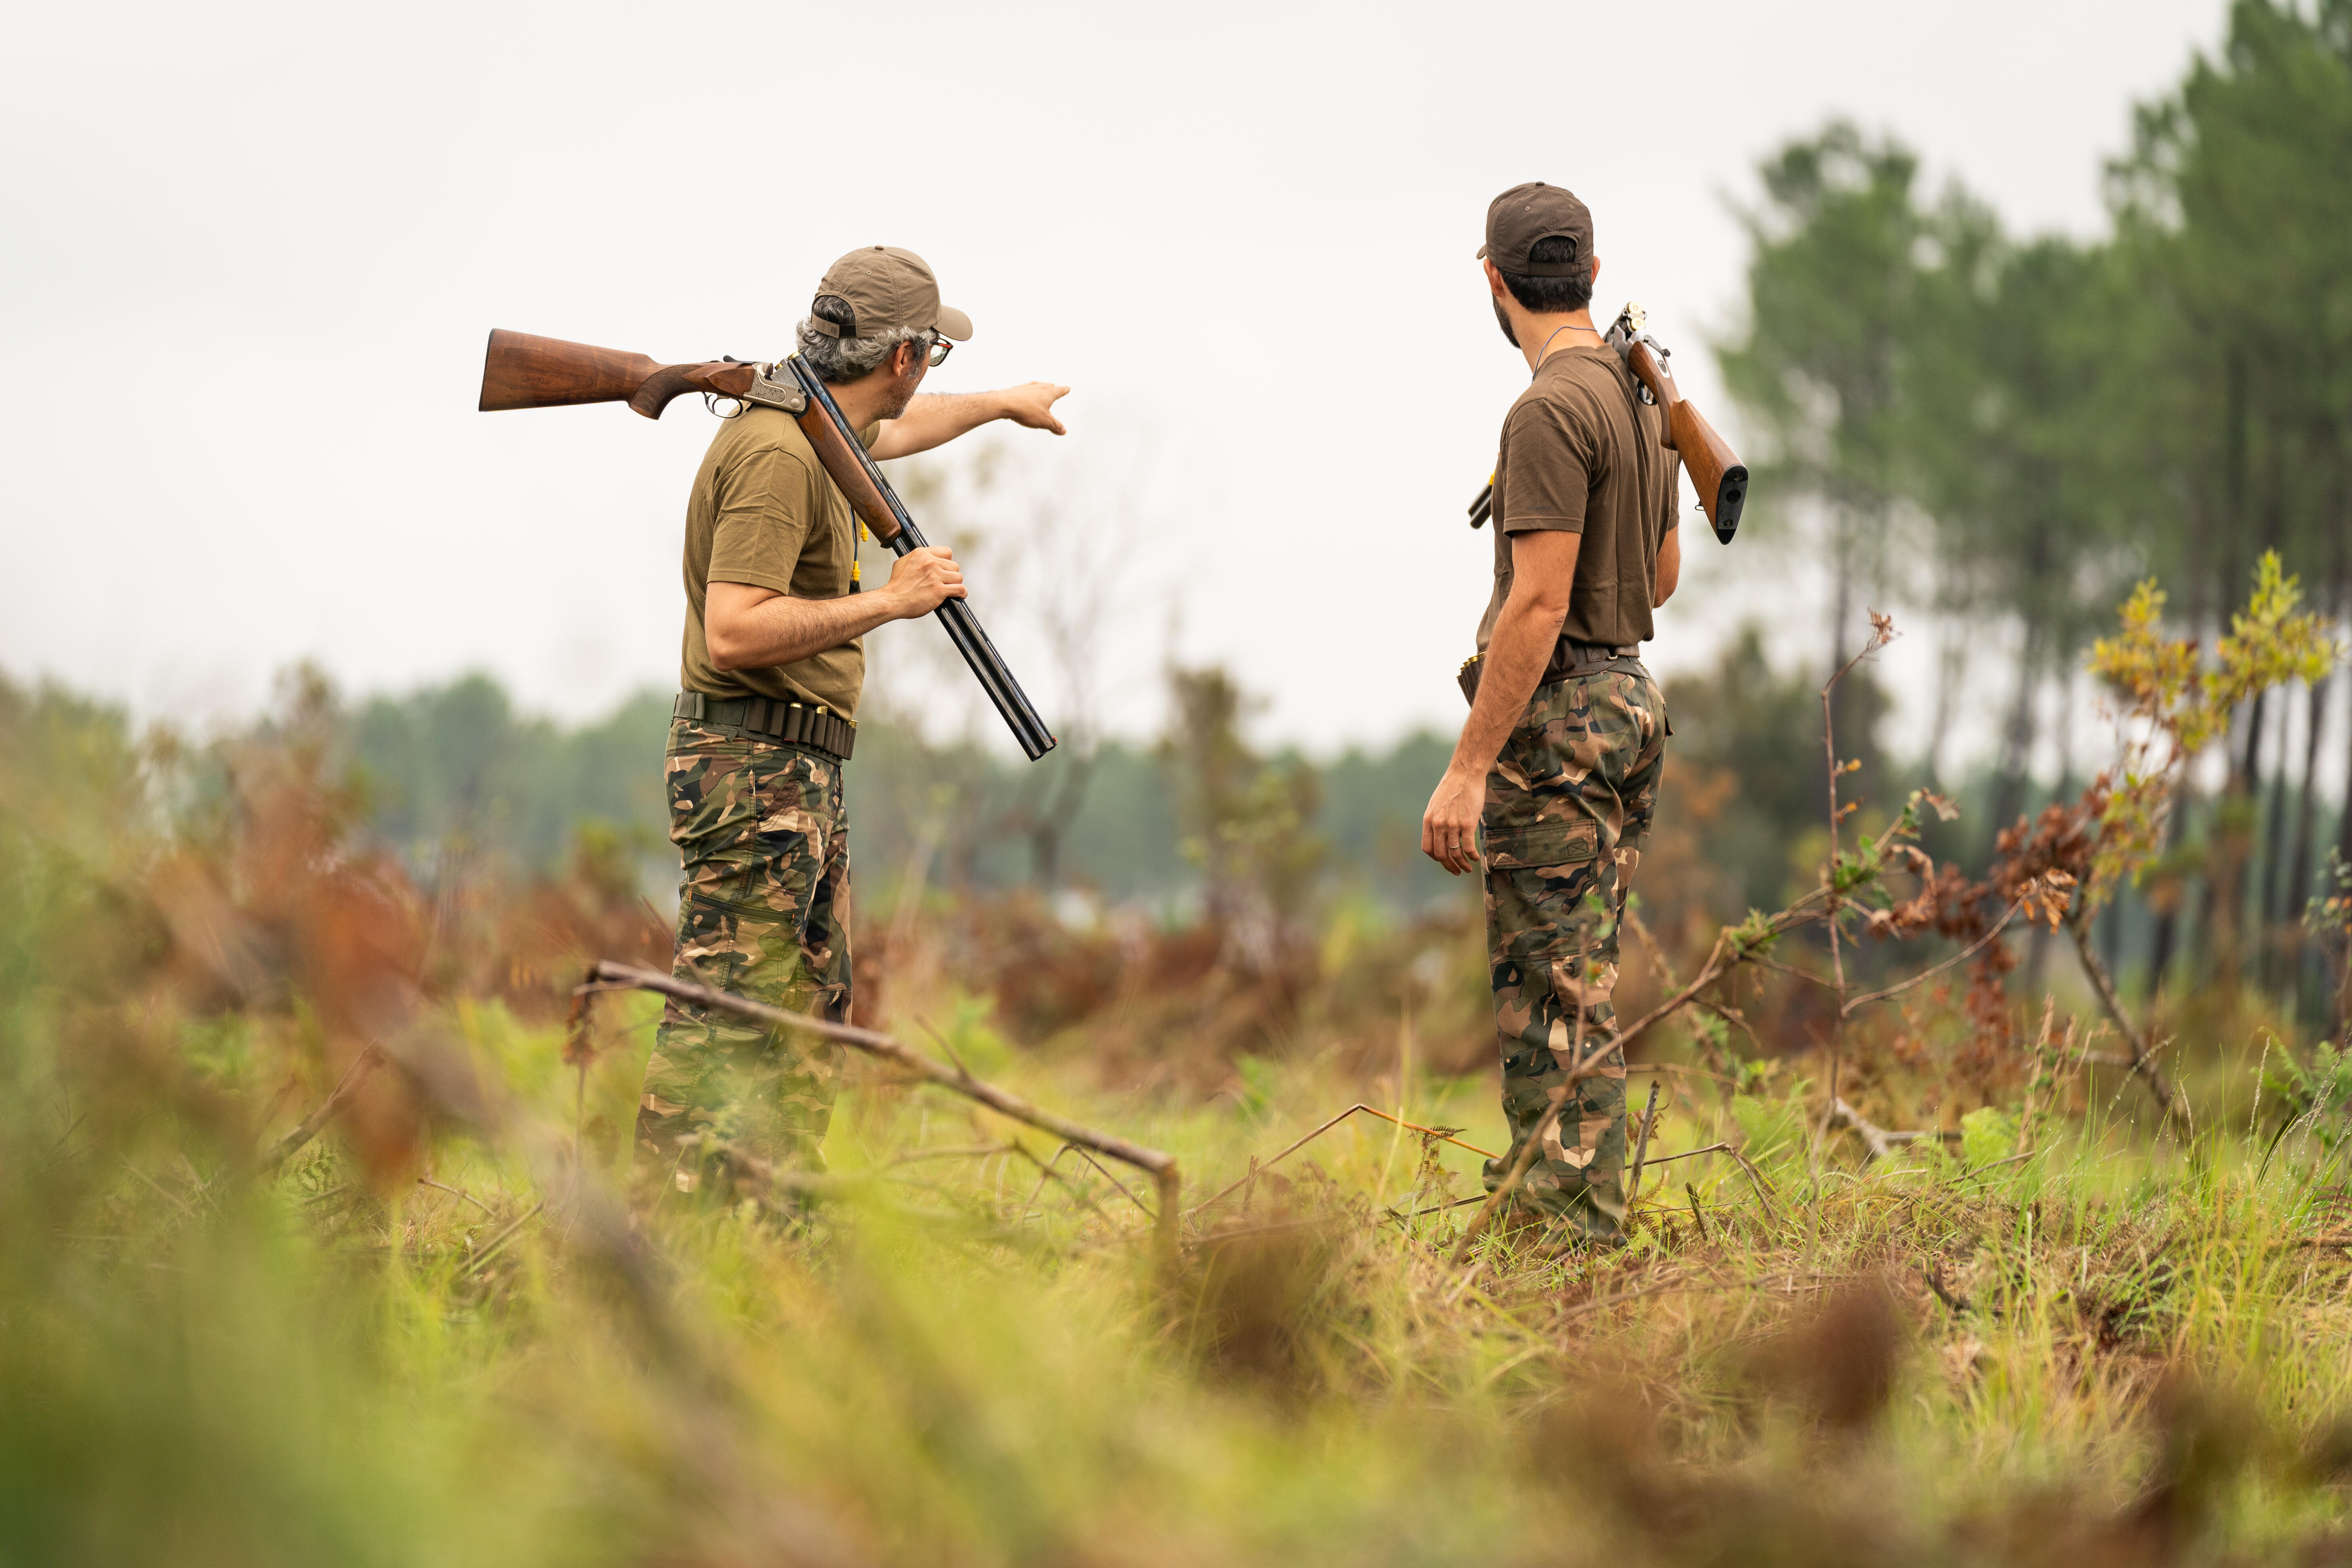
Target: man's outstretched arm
pixel 1543 569
pixel 933 419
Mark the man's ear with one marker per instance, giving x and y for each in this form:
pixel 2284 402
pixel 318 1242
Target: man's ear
pixel 1596 272
pixel 1494 284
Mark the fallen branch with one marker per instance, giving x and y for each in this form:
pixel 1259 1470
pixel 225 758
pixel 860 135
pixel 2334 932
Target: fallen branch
pixel 307 1127
pixel 1880 1140
pixel 1161 1166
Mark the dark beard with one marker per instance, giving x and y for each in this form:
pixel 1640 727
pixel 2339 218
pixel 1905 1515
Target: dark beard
pixel 1504 322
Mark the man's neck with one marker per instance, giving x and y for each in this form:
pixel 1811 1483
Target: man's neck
pixel 863 400
pixel 1547 334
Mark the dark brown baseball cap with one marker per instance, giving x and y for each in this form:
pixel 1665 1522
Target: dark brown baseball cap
pixel 888 288
pixel 1524 213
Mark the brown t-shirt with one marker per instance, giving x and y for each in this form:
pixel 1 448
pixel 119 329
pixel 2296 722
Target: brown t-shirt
pixel 1580 454
pixel 765 512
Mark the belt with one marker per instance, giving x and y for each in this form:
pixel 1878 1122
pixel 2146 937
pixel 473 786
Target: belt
pixel 1569 660
pixel 819 728
pixel 1574 658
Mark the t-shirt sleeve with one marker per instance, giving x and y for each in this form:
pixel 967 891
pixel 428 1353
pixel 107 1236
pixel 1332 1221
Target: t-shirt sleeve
pixel 1674 501
pixel 1547 456
pixel 765 502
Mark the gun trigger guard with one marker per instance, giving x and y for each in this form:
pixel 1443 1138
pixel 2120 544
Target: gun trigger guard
pixel 712 400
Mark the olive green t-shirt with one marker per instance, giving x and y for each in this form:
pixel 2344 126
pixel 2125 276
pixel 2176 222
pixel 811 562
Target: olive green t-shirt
pixel 765 512
pixel 1580 454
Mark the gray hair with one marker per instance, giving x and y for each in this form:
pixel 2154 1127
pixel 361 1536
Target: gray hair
pixel 837 358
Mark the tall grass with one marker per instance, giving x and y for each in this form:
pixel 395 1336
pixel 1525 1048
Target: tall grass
pixel 463 1324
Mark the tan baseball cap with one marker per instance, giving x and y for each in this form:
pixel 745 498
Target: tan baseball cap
pixel 1524 213
pixel 888 288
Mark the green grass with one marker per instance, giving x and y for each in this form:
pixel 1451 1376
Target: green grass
pixel 201 1365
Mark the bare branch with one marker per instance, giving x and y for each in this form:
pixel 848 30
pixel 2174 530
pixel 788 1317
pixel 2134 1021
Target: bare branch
pixel 1961 957
pixel 307 1127
pixel 1160 1164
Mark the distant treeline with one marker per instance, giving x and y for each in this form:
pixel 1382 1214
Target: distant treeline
pixel 453 770
pixel 2013 430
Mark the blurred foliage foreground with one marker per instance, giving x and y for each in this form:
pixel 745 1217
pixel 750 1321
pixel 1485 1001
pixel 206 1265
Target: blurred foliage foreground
pixel 317 1245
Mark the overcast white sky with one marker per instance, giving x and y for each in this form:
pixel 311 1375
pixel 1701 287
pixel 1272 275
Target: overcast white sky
pixel 258 247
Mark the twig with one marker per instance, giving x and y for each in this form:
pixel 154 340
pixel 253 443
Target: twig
pixel 1649 1120
pixel 1162 1165
pixel 490 1249
pixel 1755 1177
pixel 1944 1293
pixel 1960 957
pixel 2143 1063
pixel 168 1196
pixel 458 1192
pixel 1678 1067
pixel 925 1025
pixel 1510 1181
pixel 1994 1166
pixel 1259 1167
pixel 1697 1218
pixel 1693 1154
pixel 1051 1172
pixel 1114 1180
pixel 1433 1208
pixel 307 1127
pixel 954 1152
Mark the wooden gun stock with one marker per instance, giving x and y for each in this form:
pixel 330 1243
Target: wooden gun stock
pixel 1716 470
pixel 519 371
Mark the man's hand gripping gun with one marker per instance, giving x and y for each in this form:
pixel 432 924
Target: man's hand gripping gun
pixel 1717 473
pixel 524 372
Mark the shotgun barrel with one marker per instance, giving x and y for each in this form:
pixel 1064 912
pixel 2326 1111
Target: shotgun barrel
pixel 963 628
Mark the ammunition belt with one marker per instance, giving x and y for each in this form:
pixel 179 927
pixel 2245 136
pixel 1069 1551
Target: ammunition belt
pixel 819 728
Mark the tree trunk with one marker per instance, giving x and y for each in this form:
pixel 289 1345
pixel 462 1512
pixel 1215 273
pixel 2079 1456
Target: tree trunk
pixel 2168 919
pixel 2269 940
pixel 2298 865
pixel 2017 743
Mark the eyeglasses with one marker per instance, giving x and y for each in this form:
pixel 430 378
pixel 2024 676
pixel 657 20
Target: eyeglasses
pixel 940 349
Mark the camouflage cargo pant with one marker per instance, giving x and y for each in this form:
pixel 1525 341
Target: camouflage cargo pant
pixel 763 912
pixel 1568 806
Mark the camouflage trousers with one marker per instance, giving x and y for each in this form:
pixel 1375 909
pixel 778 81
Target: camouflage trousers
pixel 763 912
pixel 1567 806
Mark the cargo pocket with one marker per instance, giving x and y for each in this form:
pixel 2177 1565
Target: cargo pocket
pixel 1539 844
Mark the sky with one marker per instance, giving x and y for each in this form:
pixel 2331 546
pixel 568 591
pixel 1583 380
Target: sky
pixel 259 248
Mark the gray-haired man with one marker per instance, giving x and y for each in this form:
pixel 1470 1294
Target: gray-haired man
pixel 772 667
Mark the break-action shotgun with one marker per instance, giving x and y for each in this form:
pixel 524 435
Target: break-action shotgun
pixel 520 371
pixel 1717 473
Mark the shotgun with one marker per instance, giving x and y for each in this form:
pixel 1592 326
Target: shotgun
pixel 1717 473
pixel 520 371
